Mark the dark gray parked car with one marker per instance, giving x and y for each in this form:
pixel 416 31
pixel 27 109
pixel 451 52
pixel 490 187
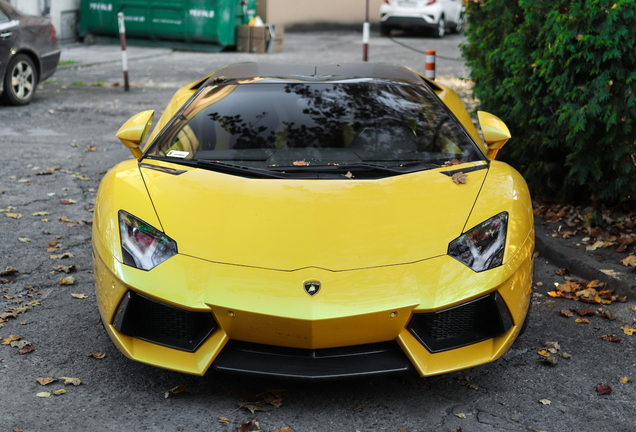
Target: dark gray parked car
pixel 28 54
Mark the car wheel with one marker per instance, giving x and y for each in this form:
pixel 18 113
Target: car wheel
pixel 441 28
pixel 385 30
pixel 524 326
pixel 459 25
pixel 20 80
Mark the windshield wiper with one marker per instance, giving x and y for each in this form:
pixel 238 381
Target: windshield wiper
pixel 238 169
pixel 357 166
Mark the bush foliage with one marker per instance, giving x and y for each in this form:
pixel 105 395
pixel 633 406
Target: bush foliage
pixel 562 75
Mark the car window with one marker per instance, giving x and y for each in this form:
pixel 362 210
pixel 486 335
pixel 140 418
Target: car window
pixel 264 125
pixel 3 16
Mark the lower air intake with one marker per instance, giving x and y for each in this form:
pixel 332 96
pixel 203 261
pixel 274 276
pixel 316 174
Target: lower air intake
pixel 141 317
pixel 465 324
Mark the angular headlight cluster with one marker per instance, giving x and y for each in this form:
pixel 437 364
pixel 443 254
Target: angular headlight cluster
pixel 482 248
pixel 142 245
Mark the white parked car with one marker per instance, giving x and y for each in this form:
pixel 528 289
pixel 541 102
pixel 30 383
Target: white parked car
pixel 439 16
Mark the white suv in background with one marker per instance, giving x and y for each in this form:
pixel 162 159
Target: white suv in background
pixel 437 15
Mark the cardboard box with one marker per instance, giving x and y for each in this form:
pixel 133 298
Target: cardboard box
pixel 259 40
pixel 276 43
pixel 243 38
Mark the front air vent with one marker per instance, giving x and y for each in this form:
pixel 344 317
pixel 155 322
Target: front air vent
pixel 465 324
pixel 141 317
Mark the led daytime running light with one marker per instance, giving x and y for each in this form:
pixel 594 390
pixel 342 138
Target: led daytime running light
pixel 143 246
pixel 482 248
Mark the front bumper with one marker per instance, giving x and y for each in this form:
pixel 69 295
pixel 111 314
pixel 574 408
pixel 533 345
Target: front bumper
pixel 265 313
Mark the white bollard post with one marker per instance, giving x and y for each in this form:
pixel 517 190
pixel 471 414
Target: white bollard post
pixel 430 65
pixel 122 38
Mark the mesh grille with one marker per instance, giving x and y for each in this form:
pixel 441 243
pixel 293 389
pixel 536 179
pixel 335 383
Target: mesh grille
pixel 472 322
pixel 156 322
pixel 166 321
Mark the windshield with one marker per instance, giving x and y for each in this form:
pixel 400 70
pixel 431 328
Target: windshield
pixel 274 126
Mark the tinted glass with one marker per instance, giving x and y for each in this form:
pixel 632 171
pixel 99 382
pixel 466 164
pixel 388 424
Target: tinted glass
pixel 3 16
pixel 266 125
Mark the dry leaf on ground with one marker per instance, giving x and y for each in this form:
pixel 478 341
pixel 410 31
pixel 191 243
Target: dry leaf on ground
pixel 45 381
pixel 68 280
pixel 603 389
pixel 79 296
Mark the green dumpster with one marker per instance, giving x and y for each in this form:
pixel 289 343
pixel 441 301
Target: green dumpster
pixel 186 24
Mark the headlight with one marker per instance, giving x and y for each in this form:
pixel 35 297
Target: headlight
pixel 482 248
pixel 142 245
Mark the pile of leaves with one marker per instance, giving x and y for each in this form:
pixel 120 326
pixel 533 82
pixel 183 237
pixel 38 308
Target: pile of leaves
pixel 588 292
pixel 600 228
pixel 561 75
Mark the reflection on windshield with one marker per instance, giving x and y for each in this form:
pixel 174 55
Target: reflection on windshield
pixel 276 124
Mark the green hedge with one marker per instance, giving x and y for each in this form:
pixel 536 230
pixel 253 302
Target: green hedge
pixel 562 75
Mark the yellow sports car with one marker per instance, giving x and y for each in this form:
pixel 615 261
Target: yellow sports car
pixel 313 222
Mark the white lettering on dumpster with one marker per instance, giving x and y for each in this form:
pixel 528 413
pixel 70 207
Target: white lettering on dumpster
pixel 200 13
pixel 101 6
pixel 135 18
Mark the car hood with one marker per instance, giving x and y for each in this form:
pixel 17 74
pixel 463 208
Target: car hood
pixel 330 224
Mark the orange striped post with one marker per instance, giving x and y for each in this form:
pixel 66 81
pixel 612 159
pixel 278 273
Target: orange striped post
pixel 430 65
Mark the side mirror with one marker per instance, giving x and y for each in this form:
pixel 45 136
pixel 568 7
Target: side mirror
pixel 135 130
pixel 495 132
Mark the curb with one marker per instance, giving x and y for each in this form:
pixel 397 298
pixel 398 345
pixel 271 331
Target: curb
pixel 583 266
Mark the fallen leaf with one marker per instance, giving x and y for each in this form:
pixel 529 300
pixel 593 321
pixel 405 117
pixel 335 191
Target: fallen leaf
pixel 79 296
pixel 552 346
pixel 27 349
pixel 544 353
pixel 595 246
pixel 586 311
pixel 68 201
pixel 14 215
pixel 552 361
pixel 273 400
pixel 301 163
pixel 59 392
pixel 249 426
pixel 43 394
pixel 357 409
pixel 473 386
pixel 74 381
pixel 611 338
pixel 463 378
pixel 565 313
pixel 565 356
pixel 545 401
pixel 68 280
pixel 45 381
pixel 97 355
pixel 582 321
pixel 65 269
pixel 603 389
pixel 9 271
pixel 623 380
pixel 20 343
pixel 459 178
pixel 223 420
pixel 288 429
pixel 555 293
pixel 24 239
pixel 62 256
pixel 628 330
pixel 460 415
pixel 253 406
pixel 629 261
pixel 348 174
pixel 7 341
pixel 40 213
pixel 606 314
pixel 175 390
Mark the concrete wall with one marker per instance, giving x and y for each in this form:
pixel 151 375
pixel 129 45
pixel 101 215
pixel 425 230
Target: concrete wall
pixel 290 12
pixel 63 13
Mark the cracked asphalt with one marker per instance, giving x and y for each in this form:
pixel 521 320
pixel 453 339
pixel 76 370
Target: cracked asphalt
pixel 54 153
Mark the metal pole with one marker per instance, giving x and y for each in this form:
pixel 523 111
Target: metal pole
pixel 124 61
pixel 365 34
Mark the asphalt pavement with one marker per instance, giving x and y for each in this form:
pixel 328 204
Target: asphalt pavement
pixel 55 152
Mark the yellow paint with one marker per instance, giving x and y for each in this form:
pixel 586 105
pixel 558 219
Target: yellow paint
pixel 378 248
pixel 495 131
pixel 134 131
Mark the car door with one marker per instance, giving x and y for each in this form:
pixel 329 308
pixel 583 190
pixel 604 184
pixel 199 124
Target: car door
pixel 8 34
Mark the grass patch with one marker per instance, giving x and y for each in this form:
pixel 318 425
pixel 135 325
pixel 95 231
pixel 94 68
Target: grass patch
pixel 67 62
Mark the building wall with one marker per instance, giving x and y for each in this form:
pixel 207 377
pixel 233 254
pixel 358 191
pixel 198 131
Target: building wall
pixel 64 14
pixel 289 12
